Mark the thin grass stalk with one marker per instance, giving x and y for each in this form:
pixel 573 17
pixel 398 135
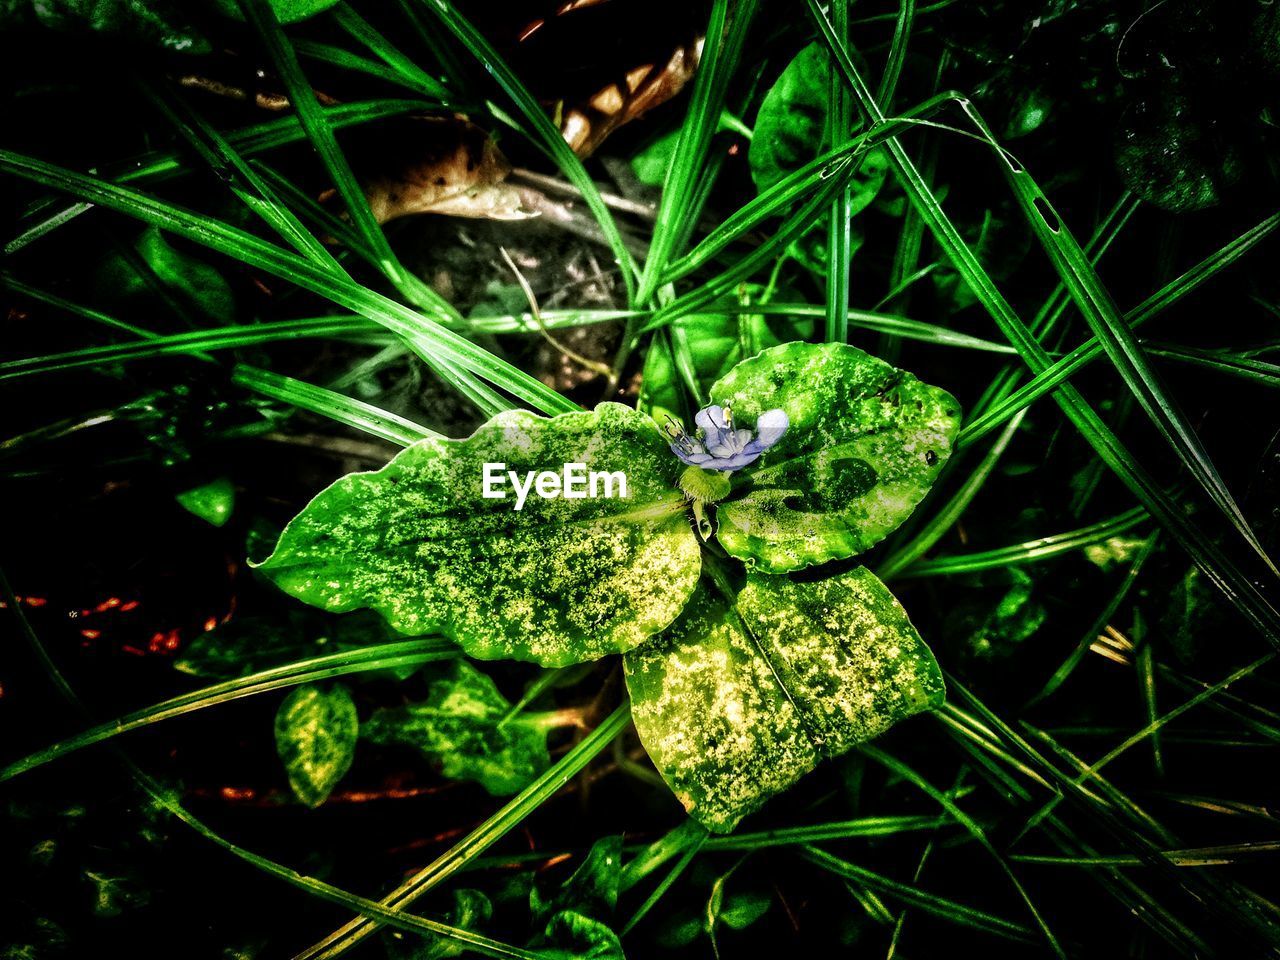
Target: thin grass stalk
pixel 384 656
pixel 365 417
pixel 545 134
pixel 479 840
pixel 1220 569
pixel 163 799
pixel 436 345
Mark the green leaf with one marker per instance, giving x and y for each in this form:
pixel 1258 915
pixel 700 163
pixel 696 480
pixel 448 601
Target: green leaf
pixel 316 739
pixel 592 890
pixel 252 644
pixel 735 703
pixel 1030 109
pixel 556 582
pixel 1179 143
pixel 471 910
pixel 743 909
pixel 155 22
pixel 988 633
pixel 460 726
pixel 287 11
pixel 866 443
pixel 737 911
pixel 812 249
pixel 680 930
pixel 212 502
pixel 716 342
pixel 791 125
pixel 247 645
pixel 576 937
pixel 1001 249
pixel 1189 616
pixel 650 164
pixel 161 270
pixel 194 281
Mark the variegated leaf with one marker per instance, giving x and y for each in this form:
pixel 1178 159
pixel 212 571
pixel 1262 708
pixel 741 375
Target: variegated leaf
pixel 557 582
pixel 736 701
pixel 865 444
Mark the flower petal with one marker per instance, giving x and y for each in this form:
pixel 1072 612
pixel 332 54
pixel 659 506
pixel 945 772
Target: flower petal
pixel 770 427
pixel 696 458
pixel 711 421
pixel 735 462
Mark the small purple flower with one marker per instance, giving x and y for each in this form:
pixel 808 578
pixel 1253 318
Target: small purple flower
pixel 718 445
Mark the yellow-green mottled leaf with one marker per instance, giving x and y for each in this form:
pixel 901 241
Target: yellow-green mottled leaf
pixel 735 703
pixel 460 726
pixel 557 582
pixel 316 739
pixel 866 443
pixel 155 22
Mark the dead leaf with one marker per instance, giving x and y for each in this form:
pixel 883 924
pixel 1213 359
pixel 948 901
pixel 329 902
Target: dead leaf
pixel 586 122
pixel 644 87
pixel 441 165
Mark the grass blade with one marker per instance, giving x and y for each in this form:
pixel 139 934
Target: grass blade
pixel 242 179
pixel 897 766
pixel 1069 665
pixel 897 53
pixel 545 133
pixel 439 347
pixel 839 228
pixel 1116 337
pixel 302 97
pixel 383 656
pixel 193 342
pixel 1220 569
pixel 354 413
pixel 1087 352
pixel 479 840
pixel 257 138
pixel 1042 549
pixel 1246 368
pixel 677 213
pixel 911 895
pixel 792 188
pixel 263 18
pixel 163 799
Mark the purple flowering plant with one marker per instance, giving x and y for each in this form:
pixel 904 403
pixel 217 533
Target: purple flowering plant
pixel 720 445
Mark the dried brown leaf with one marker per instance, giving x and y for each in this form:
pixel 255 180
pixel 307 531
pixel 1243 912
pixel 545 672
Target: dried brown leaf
pixel 442 165
pixel 644 87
